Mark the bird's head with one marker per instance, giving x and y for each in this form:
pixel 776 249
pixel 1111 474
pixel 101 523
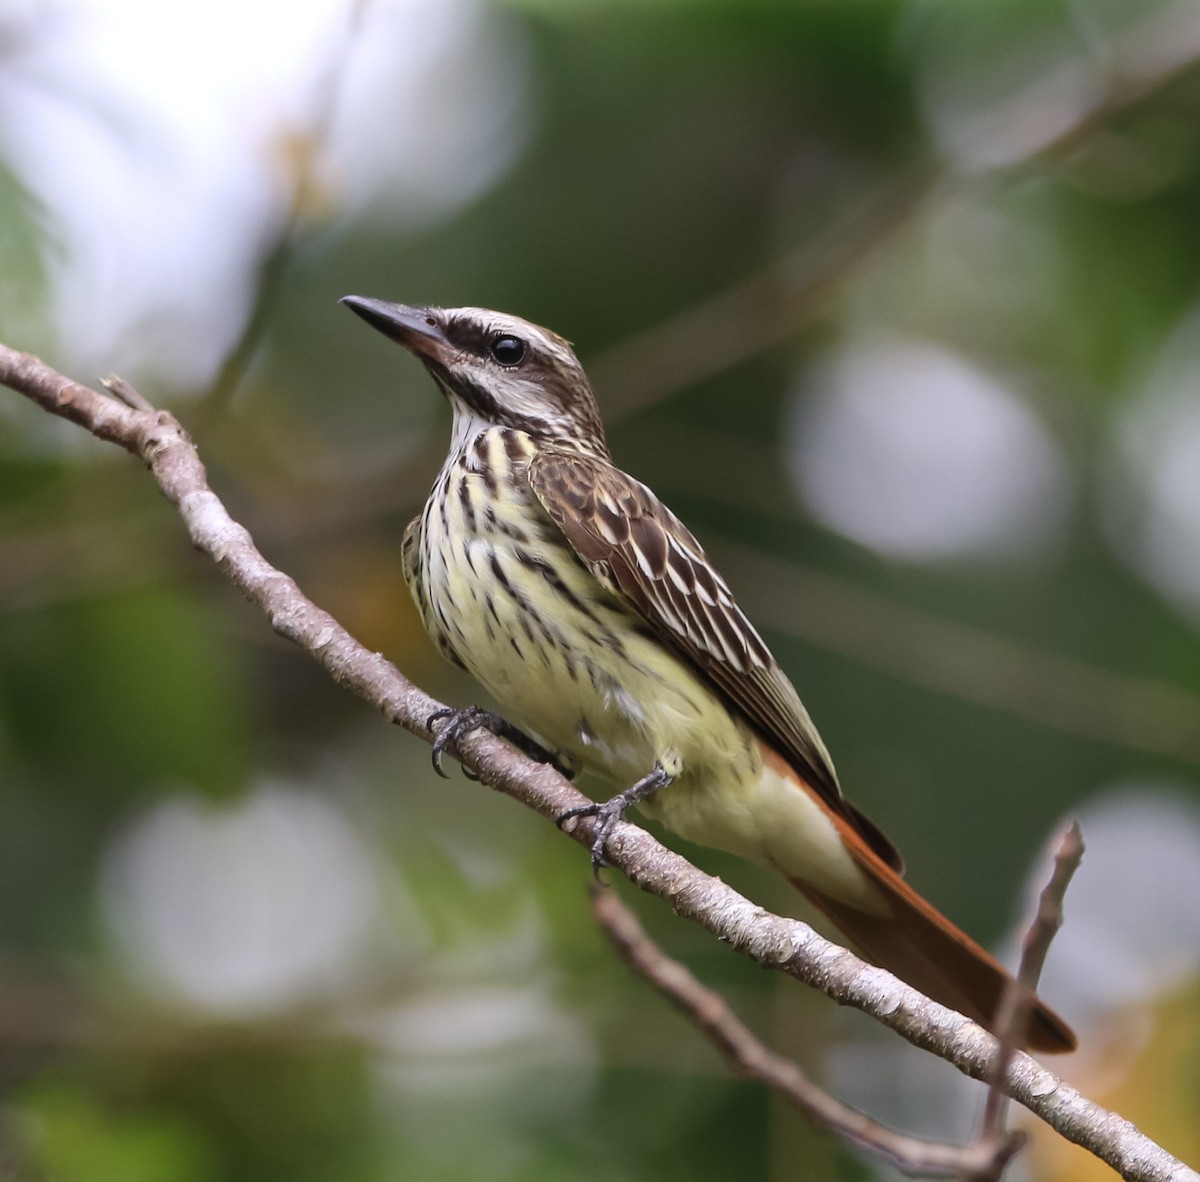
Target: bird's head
pixel 496 368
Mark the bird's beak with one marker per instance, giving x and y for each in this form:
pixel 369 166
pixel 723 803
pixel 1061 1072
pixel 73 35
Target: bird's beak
pixel 417 329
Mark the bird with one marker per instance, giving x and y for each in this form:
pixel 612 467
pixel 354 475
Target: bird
pixel 593 615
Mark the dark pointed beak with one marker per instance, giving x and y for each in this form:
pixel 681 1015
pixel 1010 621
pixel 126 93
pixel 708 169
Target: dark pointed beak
pixel 418 329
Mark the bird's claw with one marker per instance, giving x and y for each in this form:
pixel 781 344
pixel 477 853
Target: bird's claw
pixel 459 723
pixel 609 814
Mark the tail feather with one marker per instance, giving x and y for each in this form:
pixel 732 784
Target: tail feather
pixel 922 947
pixel 917 942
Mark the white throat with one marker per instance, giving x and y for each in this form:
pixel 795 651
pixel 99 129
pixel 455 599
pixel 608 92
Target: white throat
pixel 468 426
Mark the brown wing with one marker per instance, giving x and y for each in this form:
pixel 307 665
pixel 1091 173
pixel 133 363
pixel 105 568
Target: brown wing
pixel 642 552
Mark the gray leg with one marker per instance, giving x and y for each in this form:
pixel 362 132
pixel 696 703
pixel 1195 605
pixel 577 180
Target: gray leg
pixel 612 811
pixel 458 723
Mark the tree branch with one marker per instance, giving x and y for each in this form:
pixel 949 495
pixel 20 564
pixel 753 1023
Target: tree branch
pixel 779 943
pixel 748 1056
pixel 1013 1015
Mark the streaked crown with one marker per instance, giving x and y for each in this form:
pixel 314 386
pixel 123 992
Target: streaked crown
pixel 497 368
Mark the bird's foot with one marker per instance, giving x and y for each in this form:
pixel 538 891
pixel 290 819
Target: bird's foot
pixel 611 812
pixel 457 723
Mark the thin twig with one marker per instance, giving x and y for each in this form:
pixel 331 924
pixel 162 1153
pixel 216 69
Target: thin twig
pixel 748 1056
pixel 763 310
pixel 287 234
pixel 768 309
pixel 1012 1015
pixel 973 664
pixel 786 945
pixel 121 389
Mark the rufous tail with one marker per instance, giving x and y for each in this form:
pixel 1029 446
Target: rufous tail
pixel 922 947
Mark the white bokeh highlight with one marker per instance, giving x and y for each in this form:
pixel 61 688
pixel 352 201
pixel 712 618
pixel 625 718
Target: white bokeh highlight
pixel 512 1056
pixel 469 1032
pixel 1132 930
pixel 240 909
pixel 993 88
pixel 913 451
pixel 1152 500
pixel 162 141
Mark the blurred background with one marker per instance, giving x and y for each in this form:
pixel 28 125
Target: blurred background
pixel 896 302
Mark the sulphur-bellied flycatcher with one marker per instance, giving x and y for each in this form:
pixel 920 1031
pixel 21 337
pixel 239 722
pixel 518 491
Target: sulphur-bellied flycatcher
pixel 589 610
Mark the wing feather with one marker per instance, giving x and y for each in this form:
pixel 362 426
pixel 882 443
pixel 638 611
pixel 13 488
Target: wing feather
pixel 643 553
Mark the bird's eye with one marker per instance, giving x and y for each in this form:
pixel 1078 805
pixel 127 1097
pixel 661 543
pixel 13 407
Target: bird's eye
pixel 507 350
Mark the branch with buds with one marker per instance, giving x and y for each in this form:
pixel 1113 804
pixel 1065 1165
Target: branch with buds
pixel 124 418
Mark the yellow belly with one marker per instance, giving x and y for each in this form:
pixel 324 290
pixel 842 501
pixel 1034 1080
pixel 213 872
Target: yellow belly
pixel 572 665
pixel 593 684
